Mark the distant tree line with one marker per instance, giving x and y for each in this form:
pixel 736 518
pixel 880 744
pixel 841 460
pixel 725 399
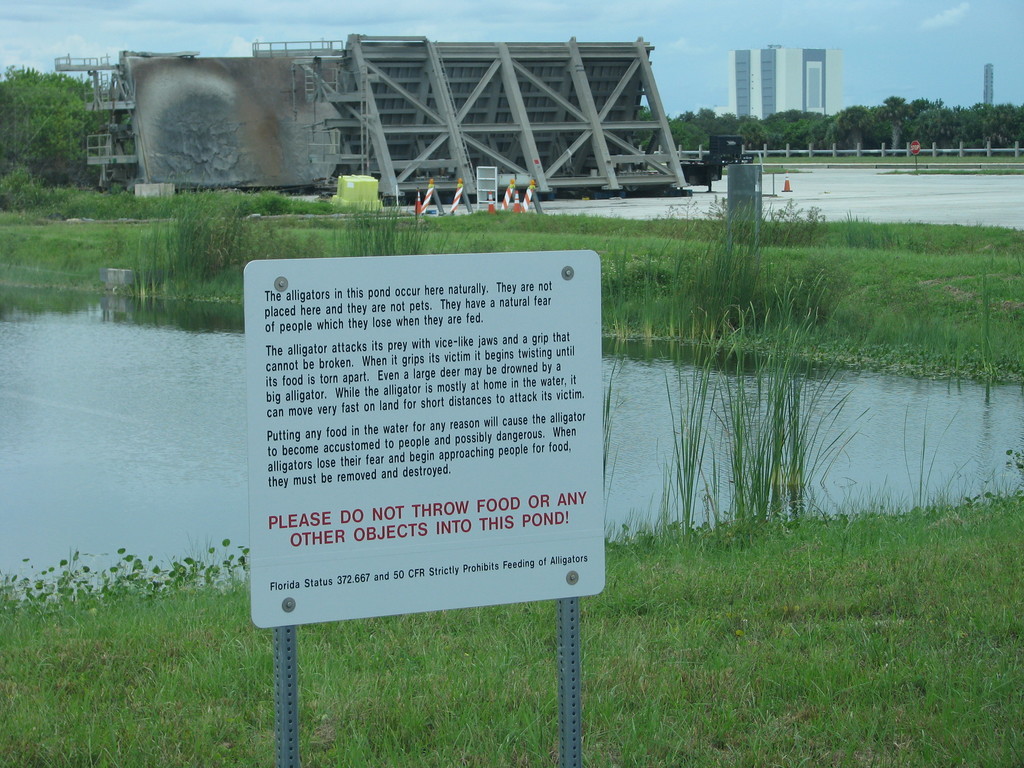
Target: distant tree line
pixel 44 124
pixel 894 123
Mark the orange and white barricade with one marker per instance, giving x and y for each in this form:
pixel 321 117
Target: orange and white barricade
pixel 458 198
pixel 506 203
pixel 428 199
pixel 528 198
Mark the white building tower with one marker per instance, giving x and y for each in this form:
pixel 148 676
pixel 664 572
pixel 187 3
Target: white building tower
pixel 776 79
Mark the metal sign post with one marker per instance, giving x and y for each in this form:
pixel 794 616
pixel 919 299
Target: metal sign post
pixel 744 206
pixel 286 698
pixel 570 732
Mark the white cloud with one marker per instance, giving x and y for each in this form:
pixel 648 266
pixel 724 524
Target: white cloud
pixel 948 18
pixel 687 46
pixel 239 47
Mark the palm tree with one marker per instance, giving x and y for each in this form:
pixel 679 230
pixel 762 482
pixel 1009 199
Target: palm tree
pixel 895 110
pixel 851 124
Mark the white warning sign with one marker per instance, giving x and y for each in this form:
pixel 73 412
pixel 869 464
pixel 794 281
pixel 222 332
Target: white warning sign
pixel 424 433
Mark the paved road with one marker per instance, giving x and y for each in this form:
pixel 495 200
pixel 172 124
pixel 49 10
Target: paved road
pixel 864 194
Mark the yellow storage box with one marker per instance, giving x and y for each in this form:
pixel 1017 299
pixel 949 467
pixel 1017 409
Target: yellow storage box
pixel 357 192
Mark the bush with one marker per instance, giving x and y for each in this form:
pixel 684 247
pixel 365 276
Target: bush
pixel 21 191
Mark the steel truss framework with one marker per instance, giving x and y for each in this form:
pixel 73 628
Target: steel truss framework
pixel 570 116
pixel 567 115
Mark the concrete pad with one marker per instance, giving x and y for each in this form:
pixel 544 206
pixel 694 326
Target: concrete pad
pixel 156 189
pixel 865 194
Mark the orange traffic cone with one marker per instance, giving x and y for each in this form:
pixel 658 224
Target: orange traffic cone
pixel 419 203
pixel 786 187
pixel 490 203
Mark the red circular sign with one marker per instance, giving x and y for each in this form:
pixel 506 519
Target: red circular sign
pixel 915 147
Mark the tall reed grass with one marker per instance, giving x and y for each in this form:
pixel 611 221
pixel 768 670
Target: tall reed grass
pixel 203 235
pixel 752 439
pixel 987 353
pixel 854 233
pixel 387 232
pixel 687 479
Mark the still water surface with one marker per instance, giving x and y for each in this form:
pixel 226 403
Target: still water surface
pixel 124 426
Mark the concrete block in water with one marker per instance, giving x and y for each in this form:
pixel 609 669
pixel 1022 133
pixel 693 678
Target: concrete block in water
pixel 113 278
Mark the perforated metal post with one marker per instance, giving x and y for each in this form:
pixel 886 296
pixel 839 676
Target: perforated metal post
pixel 744 213
pixel 570 739
pixel 286 698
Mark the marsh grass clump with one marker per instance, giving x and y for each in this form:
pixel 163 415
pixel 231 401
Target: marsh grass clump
pixel 205 239
pixel 202 235
pixel 777 422
pixel 737 287
pixel 854 233
pixel 750 443
pixel 688 479
pixel 387 232
pixel 705 291
pixel 643 295
pixel 728 289
pixel 705 282
pixel 209 235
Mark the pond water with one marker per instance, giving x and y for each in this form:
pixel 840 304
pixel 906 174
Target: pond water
pixel 885 442
pixel 123 425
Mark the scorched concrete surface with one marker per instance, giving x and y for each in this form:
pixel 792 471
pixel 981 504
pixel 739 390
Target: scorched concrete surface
pixel 223 122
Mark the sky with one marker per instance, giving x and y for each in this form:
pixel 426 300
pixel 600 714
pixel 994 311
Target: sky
pixel 932 49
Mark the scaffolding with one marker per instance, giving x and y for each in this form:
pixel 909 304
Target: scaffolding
pixel 112 151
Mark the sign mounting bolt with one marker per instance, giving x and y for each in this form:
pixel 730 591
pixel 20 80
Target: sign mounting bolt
pixel 571 578
pixel 281 284
pixel 568 273
pixel 288 604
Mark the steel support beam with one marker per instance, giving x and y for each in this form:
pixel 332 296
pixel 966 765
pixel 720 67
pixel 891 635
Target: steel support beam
pixel 578 72
pixel 658 111
pixel 374 129
pixel 518 107
pixel 446 103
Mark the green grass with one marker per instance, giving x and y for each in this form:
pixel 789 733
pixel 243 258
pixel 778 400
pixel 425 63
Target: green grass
pixel 875 640
pixel 911 298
